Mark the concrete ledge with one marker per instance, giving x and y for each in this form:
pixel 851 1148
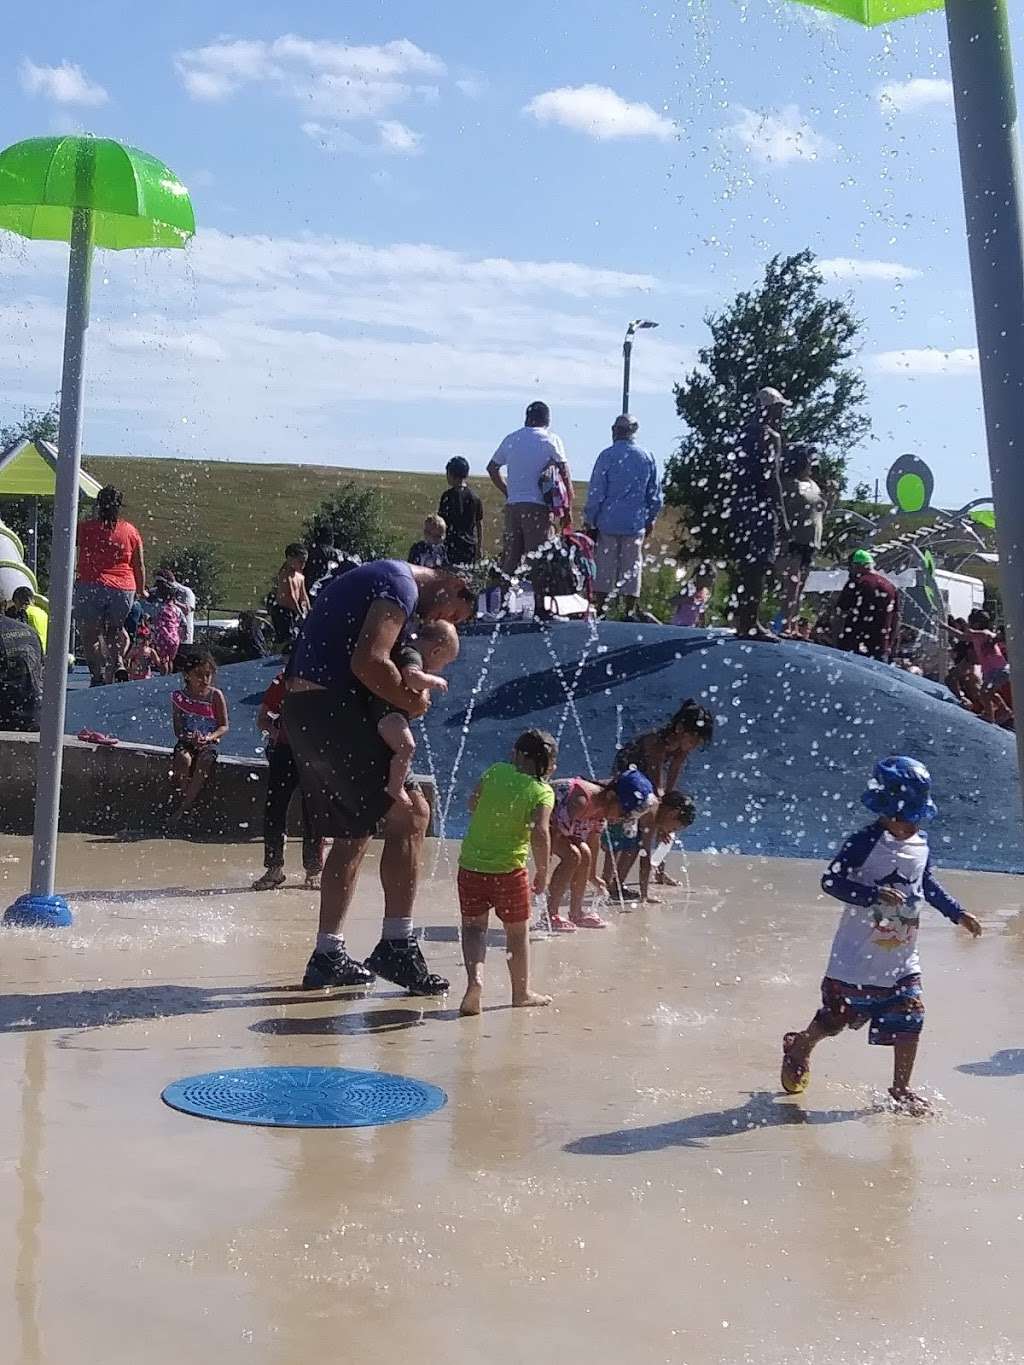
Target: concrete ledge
pixel 125 787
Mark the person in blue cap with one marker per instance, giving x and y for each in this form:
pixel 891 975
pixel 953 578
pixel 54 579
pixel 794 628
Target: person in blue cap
pixel 882 874
pixel 580 817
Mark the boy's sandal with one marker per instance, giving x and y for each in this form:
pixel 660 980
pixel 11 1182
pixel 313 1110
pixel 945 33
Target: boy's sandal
pixel 796 1076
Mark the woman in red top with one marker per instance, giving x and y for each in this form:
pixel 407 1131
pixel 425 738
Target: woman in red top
pixel 110 572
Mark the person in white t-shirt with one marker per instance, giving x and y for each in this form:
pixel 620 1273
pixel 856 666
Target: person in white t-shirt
pixel 515 470
pixel 883 873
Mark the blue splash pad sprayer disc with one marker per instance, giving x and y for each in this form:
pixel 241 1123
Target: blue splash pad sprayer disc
pixel 304 1097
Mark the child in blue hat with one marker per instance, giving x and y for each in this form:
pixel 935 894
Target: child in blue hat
pixel 882 873
pixel 581 815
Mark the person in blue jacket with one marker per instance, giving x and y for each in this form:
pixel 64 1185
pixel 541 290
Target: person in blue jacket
pixel 882 873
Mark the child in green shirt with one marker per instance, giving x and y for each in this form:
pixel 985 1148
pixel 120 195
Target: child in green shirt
pixel 511 809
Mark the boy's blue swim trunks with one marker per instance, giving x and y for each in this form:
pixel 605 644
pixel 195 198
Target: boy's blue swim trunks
pixel 894 1012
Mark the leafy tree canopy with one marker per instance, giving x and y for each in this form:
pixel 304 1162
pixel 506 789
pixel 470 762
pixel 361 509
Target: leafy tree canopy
pixel 356 520
pixel 788 334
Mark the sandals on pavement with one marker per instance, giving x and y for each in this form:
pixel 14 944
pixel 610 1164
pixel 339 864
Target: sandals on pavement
pixel 588 919
pixel 796 1076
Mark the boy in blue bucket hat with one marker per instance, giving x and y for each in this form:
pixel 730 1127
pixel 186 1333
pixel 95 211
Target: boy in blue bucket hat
pixel 882 873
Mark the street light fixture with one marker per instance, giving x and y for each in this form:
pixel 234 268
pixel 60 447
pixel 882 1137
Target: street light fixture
pixel 637 325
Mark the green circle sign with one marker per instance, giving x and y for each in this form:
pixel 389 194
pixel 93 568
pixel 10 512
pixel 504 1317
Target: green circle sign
pixel 910 493
pixel 910 484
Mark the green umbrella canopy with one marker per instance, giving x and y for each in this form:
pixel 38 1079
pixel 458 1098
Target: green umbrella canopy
pixel 135 200
pixel 875 11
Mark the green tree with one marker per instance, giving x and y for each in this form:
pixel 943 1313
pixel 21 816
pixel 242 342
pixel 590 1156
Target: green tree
pixel 786 333
pixel 355 518
pixel 35 424
pixel 200 566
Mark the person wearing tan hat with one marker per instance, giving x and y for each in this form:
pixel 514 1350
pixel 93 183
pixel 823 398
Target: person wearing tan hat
pixel 757 511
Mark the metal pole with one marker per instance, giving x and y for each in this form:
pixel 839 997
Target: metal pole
pixel 627 351
pixel 34 561
pixel 986 115
pixel 62 559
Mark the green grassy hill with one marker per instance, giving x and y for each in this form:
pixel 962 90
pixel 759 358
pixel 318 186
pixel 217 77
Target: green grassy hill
pixel 251 511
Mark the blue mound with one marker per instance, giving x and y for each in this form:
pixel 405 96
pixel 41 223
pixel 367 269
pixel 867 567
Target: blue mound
pixel 799 728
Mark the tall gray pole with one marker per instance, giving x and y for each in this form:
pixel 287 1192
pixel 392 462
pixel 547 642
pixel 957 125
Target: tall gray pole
pixel 627 352
pixel 62 559
pixel 986 116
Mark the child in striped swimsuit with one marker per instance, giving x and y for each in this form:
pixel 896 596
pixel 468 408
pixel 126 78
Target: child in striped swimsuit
pixel 200 715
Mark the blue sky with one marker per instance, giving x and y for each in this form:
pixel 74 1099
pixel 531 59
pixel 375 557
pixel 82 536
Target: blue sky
pixel 415 219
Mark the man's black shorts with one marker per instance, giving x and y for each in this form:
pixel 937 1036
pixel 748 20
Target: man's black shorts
pixel 341 760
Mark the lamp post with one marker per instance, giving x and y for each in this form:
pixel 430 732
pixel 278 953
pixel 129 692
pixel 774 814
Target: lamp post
pixel 89 192
pixel 637 325
pixel 981 66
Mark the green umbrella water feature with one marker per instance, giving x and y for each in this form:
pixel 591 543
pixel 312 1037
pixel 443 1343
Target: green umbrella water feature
pixel 89 192
pixel 874 12
pixel 981 65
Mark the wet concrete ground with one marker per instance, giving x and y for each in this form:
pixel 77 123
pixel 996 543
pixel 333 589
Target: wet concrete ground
pixel 614 1179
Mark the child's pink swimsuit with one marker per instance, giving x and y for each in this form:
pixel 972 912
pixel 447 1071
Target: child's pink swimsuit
pixel 572 828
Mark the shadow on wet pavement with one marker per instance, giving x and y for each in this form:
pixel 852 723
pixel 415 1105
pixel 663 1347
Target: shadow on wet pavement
pixel 762 1110
pixel 1008 1062
pixel 125 1004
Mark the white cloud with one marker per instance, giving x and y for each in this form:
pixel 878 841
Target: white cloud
pixel 779 138
pixel 64 84
pixel 909 97
pixel 856 268
pixel 279 338
pixel 249 260
pixel 927 362
pixel 473 87
pixel 396 137
pixel 332 83
pixel 599 112
pixel 392 137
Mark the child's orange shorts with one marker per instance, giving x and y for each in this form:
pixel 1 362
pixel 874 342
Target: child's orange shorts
pixel 506 893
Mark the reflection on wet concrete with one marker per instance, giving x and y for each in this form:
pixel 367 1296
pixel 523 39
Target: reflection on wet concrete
pixel 614 1178
pixel 27 1232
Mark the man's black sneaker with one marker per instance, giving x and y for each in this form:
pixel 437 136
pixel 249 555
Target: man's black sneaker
pixel 330 971
pixel 401 962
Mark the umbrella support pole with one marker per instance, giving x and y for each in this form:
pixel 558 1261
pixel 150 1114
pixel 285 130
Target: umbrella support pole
pixel 34 558
pixel 987 128
pixel 41 906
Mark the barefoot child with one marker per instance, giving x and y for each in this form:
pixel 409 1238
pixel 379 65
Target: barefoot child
pixel 434 646
pixel 200 714
pixel 623 844
pixel 660 756
pixel 143 660
pixel 511 809
pixel 165 626
pixel 290 605
pixel 676 812
pixel 581 815
pixel 873 976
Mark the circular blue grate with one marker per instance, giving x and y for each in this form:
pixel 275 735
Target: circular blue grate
pixel 304 1097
